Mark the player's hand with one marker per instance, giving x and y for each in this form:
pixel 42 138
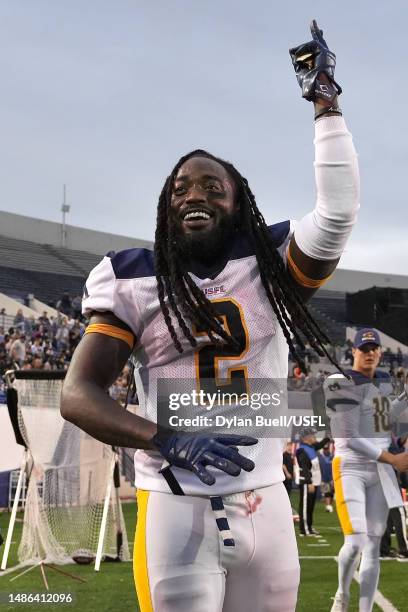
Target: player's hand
pixel 400 462
pixel 194 452
pixel 311 59
pixel 310 488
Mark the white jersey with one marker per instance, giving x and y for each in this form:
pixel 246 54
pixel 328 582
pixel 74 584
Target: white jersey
pixel 361 412
pixel 125 284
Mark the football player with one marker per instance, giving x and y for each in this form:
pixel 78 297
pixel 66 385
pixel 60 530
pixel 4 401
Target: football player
pixel 361 414
pixel 219 299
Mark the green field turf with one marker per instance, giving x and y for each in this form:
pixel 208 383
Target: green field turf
pixel 112 588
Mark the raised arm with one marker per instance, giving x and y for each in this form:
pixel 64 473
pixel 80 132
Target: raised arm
pixel 320 237
pixel 97 361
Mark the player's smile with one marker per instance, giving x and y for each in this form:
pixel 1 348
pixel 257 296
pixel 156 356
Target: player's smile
pixel 196 217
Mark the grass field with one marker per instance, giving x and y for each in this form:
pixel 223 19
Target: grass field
pixel 112 590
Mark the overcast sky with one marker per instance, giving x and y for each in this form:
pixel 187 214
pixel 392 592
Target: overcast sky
pixel 106 96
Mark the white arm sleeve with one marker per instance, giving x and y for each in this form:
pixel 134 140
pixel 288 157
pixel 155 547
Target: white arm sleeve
pixel 323 233
pixel 365 447
pixel 398 406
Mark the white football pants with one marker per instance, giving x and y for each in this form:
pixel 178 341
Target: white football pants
pixel 360 501
pixel 181 564
pixel 362 510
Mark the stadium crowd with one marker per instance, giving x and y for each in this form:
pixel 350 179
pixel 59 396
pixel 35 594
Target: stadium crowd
pixel 47 343
pixel 318 368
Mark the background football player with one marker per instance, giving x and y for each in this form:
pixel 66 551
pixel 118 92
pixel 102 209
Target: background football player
pixel 361 413
pixel 211 239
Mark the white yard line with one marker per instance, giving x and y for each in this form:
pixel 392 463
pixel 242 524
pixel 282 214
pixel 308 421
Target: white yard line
pixel 382 602
pixel 314 557
pixel 331 529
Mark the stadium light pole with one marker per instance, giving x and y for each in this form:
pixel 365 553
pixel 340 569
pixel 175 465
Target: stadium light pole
pixel 65 208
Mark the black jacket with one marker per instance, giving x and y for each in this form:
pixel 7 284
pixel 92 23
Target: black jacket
pixel 304 463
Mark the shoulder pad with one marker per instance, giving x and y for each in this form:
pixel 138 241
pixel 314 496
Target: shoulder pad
pixel 242 247
pixel 337 382
pixel 132 263
pixel 383 375
pixel 279 232
pixel 359 379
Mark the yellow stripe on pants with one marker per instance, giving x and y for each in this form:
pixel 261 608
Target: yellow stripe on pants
pixel 341 504
pixel 140 571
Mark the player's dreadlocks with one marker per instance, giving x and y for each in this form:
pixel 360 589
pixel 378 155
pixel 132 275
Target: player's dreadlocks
pixel 189 304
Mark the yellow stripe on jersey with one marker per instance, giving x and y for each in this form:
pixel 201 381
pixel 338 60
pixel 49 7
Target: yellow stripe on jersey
pixel 111 330
pixel 301 278
pixel 140 571
pixel 341 504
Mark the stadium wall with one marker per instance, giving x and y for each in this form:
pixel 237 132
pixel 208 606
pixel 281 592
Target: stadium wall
pixel 99 243
pixel 350 281
pixel 77 238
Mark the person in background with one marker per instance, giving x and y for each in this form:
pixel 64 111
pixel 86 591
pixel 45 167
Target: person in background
pixel 309 477
pixel 397 517
pixel 327 486
pixel 65 304
pixel 3 315
pixel 45 321
pixel 62 335
pixel 288 467
pixel 37 363
pixel 76 306
pixel 17 349
pixel 362 410
pixel 348 354
pixel 400 357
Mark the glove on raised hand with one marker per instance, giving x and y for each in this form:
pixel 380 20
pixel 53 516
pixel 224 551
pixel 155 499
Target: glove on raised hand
pixel 309 60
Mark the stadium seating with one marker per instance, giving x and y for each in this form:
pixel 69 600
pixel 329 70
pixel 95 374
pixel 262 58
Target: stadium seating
pixel 329 310
pixel 43 270
pixel 45 286
pixel 48 271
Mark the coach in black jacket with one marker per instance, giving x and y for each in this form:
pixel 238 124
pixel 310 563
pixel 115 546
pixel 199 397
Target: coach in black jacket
pixel 309 477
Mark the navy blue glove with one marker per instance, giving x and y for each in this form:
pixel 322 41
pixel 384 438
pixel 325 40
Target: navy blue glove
pixel 194 452
pixel 309 60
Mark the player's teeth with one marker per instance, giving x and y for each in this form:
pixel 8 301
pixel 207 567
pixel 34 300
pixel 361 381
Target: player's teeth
pixel 197 215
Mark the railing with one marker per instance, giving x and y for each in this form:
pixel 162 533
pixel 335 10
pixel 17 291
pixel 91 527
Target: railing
pixel 6 321
pixel 127 464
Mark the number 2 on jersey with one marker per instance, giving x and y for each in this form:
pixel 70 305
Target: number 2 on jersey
pixel 207 357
